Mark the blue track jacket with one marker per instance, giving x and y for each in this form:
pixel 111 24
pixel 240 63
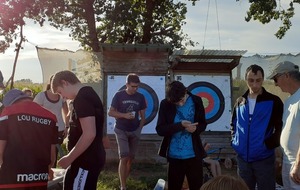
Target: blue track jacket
pixel 255 138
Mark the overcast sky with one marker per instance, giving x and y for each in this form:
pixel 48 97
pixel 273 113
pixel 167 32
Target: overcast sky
pixel 229 32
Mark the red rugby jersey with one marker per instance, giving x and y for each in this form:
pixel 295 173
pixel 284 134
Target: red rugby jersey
pixel 29 131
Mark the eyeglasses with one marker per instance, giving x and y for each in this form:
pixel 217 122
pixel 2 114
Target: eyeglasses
pixel 277 76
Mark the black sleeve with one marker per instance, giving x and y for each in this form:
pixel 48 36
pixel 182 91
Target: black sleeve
pixel 166 127
pixel 274 140
pixel 200 115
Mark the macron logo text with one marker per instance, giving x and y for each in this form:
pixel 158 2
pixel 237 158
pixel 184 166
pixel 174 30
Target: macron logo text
pixel 32 177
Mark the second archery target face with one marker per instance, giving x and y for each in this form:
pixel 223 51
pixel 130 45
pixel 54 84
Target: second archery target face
pixel 212 97
pixel 152 87
pixel 215 92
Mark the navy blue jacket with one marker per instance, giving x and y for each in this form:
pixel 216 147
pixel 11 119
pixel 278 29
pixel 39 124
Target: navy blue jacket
pixel 166 127
pixel 254 138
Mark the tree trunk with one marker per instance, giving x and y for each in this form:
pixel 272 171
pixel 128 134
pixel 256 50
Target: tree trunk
pixel 147 29
pixel 16 57
pixel 93 40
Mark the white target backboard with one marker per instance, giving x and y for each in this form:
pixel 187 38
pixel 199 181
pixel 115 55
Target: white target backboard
pixel 215 91
pixel 152 87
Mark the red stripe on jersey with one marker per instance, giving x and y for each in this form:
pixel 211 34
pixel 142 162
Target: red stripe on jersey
pixel 37 184
pixel 28 107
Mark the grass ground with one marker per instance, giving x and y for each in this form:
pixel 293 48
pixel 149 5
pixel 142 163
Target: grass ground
pixel 142 177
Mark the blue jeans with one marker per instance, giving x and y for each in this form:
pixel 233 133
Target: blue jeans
pixel 260 173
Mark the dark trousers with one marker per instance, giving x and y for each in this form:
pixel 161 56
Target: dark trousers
pixel 191 168
pixel 260 173
pixel 81 179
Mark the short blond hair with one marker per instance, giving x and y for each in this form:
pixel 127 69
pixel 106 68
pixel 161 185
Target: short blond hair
pixel 60 76
pixel 27 91
pixel 224 182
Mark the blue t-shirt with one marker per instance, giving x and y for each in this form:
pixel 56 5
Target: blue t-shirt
pixel 125 103
pixel 181 146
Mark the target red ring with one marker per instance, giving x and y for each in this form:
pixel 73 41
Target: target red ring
pixel 209 98
pixel 212 97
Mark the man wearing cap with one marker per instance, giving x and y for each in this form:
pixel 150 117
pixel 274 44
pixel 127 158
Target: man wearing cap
pixel 28 135
pixel 286 75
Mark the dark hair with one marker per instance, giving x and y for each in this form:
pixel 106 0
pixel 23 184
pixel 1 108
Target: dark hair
pixel 175 91
pixel 254 69
pixel 295 75
pixel 1 77
pixel 48 87
pixel 132 78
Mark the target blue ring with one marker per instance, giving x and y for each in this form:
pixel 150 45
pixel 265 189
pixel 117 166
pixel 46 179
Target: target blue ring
pixel 216 96
pixel 149 100
pixel 152 101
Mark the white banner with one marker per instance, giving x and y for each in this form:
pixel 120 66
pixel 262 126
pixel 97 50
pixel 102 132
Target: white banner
pixel 84 64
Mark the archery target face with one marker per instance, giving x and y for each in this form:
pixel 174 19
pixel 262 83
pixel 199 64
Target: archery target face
pixel 215 92
pixel 146 87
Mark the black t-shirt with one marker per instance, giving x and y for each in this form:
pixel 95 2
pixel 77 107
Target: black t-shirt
pixel 29 131
pixel 87 103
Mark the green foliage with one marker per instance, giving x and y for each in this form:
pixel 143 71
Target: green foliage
pixel 25 83
pixel 36 88
pixel 267 10
pixel 13 14
pixel 144 22
pixel 119 21
pixel 239 88
pixel 98 21
pixel 93 22
pixel 110 180
pixel 140 178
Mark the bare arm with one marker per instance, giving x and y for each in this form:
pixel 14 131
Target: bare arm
pixel 88 125
pixel 53 155
pixel 142 115
pixel 65 111
pixel 2 148
pixel 295 170
pixel 51 165
pixel 113 112
pixel 66 117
